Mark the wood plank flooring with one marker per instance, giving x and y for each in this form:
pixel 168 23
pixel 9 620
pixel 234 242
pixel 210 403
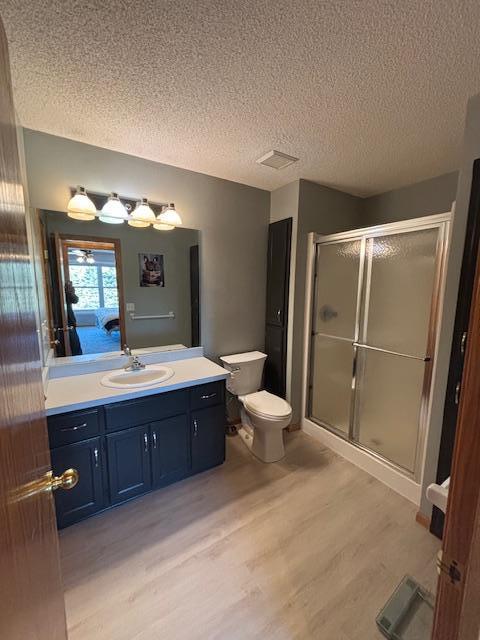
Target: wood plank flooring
pixel 310 547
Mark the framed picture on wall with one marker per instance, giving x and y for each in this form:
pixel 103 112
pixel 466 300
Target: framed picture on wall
pixel 151 270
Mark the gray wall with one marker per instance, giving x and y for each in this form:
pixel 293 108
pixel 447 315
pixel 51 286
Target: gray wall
pixel 312 207
pixel 421 199
pixel 232 219
pixel 175 296
pixel 284 202
pixel 322 210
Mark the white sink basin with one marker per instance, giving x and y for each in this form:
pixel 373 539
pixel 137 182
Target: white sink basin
pixel 152 374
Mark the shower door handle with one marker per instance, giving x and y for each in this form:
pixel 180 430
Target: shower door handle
pixel 393 353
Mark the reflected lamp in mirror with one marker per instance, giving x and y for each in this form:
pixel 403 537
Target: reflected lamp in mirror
pixel 170 216
pixel 162 226
pixel 80 207
pixel 142 215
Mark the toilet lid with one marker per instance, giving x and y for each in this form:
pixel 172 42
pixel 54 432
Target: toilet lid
pixel 265 403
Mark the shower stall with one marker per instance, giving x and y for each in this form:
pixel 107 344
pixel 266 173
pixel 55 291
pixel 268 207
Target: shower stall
pixel 375 301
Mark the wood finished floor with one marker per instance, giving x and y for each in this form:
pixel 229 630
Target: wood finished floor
pixel 310 547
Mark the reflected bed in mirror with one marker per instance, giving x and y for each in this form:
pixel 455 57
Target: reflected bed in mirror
pixel 111 285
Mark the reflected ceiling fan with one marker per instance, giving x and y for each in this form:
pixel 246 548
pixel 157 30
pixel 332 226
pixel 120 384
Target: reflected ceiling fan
pixel 84 256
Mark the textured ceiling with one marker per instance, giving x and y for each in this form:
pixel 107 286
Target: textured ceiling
pixel 369 94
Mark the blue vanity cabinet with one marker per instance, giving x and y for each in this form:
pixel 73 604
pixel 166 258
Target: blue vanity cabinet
pixel 129 468
pixel 139 445
pixel 170 447
pixel 68 428
pixel 88 496
pixel 129 413
pixel 208 437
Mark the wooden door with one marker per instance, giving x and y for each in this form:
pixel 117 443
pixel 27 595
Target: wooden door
pixel 87 497
pixel 208 437
pixel 170 450
pixel 31 593
pixel 278 276
pixel 457 612
pixel 129 467
pixel 457 356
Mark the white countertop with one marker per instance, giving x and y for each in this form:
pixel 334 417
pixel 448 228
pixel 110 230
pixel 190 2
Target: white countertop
pixel 71 393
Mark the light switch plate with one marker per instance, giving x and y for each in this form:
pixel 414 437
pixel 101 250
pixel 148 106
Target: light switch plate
pixel 130 306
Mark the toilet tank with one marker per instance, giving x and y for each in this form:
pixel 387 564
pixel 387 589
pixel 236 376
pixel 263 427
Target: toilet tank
pixel 247 370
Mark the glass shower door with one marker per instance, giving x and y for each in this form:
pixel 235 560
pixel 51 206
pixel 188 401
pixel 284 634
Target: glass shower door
pixel 393 346
pixel 333 333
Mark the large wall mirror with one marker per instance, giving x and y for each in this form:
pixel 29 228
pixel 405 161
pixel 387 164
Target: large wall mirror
pixel 102 286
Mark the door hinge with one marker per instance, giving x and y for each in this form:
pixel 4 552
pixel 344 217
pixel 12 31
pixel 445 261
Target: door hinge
pixel 450 567
pixel 463 343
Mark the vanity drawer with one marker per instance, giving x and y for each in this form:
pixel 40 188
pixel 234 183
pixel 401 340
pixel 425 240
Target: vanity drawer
pixel 73 427
pixel 130 413
pixel 207 395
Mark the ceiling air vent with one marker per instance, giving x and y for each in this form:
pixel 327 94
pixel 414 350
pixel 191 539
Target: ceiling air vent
pixel 276 160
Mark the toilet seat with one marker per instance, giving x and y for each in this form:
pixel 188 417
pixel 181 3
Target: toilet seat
pixel 267 405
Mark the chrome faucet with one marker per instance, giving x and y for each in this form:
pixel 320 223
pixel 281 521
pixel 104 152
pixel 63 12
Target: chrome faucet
pixel 134 363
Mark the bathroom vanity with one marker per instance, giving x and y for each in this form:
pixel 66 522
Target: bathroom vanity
pixel 124 443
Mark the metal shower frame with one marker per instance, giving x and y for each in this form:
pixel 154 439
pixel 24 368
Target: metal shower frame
pixel 440 221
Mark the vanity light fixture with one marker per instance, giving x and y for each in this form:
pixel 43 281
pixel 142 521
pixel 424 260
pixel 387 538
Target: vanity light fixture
pixel 170 216
pixel 113 211
pixel 162 226
pixel 142 215
pixel 80 207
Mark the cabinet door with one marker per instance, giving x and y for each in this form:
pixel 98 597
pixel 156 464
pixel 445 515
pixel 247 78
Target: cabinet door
pixel 87 496
pixel 208 437
pixel 170 450
pixel 278 271
pixel 275 370
pixel 278 277
pixel 129 463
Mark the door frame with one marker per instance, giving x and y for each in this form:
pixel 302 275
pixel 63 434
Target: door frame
pixel 91 242
pixel 61 299
pixel 457 354
pixel 457 615
pixel 194 267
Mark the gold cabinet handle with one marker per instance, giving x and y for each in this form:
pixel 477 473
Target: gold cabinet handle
pixel 48 482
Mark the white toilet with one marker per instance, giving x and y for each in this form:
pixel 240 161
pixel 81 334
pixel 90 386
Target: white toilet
pixel 263 415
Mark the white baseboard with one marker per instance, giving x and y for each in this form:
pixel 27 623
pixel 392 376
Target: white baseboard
pixel 406 487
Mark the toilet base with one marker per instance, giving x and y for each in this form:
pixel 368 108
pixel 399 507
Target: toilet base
pixel 267 447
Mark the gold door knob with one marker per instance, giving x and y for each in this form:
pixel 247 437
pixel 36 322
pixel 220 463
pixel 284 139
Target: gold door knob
pixel 48 482
pixel 67 480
